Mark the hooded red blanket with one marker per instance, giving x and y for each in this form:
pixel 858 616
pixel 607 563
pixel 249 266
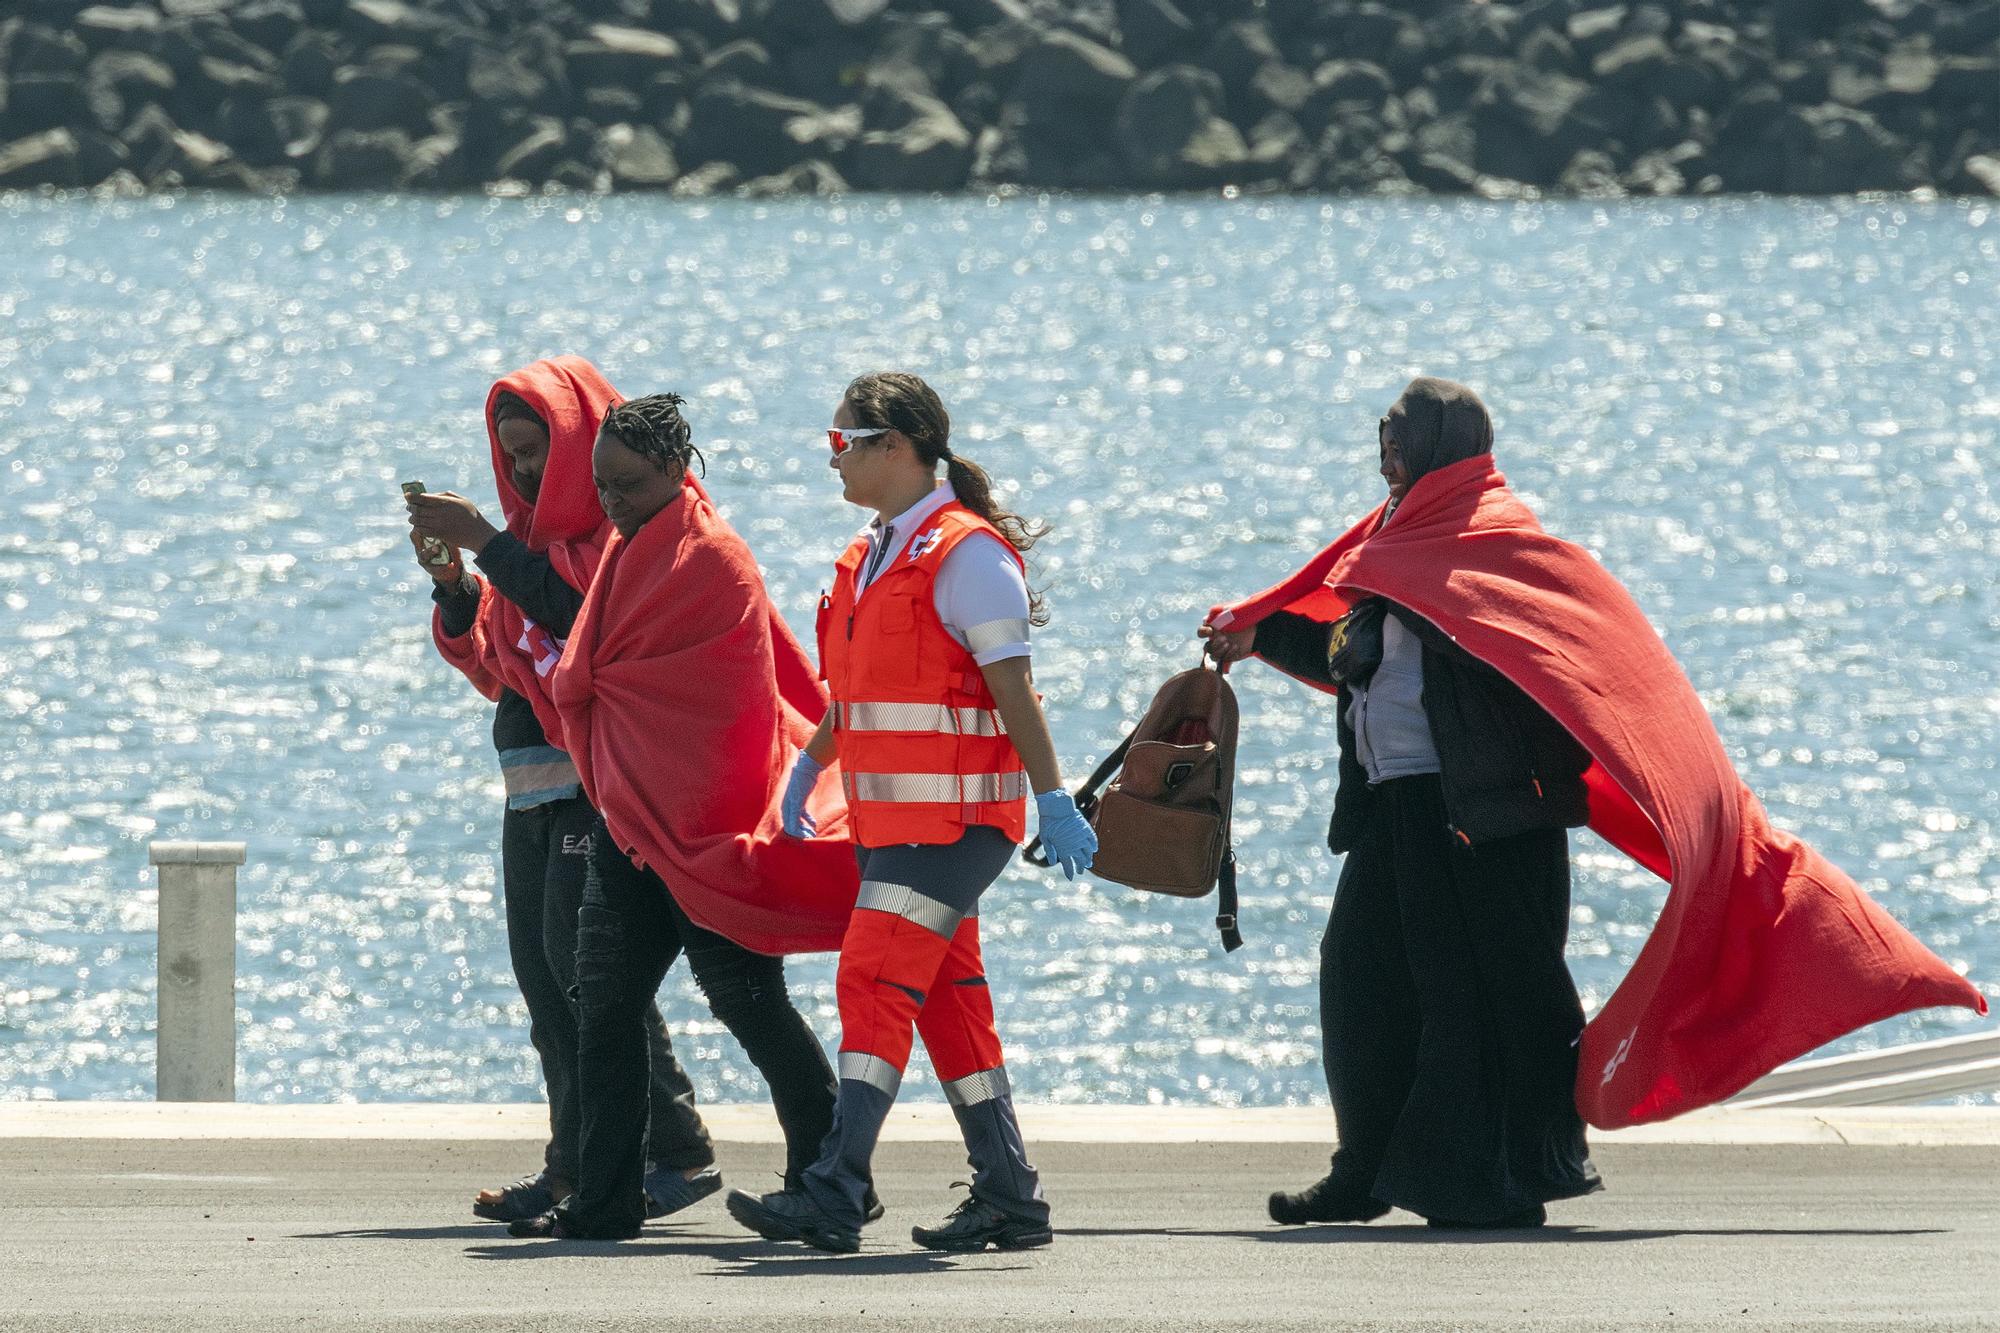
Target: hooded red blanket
pixel 564 520
pixel 1763 950
pixel 684 699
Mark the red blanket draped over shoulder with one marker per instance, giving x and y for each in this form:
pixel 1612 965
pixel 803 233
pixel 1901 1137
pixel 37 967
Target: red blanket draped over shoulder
pixel 684 699
pixel 1764 950
pixel 564 521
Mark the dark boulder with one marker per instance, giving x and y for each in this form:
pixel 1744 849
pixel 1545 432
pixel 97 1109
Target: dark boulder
pixel 381 22
pixel 270 24
pixel 366 99
pixel 536 155
pixel 1171 132
pixel 1632 63
pixel 1547 51
pixel 813 177
pixel 1834 149
pixel 1593 31
pixel 1530 129
pixel 1238 51
pixel 35 49
pixel 496 76
pixel 50 157
pixel 930 150
pixel 214 80
pixel 353 159
pixel 117 27
pixel 620 57
pixel 763 132
pixel 1591 174
pixel 1276 87
pixel 707 179
pixel 1153 32
pixel 1979 174
pixel 638 158
pixel 38 102
pixel 744 61
pixel 310 62
pixel 978 15
pixel 824 71
pixel 805 22
pixel 129 80
pixel 1071 71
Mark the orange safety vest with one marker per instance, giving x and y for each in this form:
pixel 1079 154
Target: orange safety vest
pixel 923 753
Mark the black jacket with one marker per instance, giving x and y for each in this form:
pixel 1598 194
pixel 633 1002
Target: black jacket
pixel 1507 767
pixel 529 580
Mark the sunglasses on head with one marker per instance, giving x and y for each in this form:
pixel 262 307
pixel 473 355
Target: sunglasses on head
pixel 843 440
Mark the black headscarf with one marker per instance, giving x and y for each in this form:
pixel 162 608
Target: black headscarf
pixel 1437 423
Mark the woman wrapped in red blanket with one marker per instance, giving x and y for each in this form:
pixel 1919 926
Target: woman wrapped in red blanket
pixel 1497 686
pixel 684 700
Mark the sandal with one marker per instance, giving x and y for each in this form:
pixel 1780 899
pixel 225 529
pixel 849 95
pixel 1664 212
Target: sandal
pixel 530 1196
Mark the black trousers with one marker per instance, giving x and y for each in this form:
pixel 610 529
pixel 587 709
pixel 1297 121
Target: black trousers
pixel 544 854
pixel 629 933
pixel 1450 1017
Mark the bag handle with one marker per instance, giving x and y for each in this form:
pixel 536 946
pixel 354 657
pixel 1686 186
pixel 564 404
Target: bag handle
pixel 1225 903
pixel 1086 796
pixel 1086 801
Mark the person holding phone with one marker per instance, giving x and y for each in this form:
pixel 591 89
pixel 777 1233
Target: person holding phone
pixel 505 629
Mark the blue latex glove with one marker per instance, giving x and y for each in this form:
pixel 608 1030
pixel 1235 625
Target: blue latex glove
pixel 1067 839
pixel 805 772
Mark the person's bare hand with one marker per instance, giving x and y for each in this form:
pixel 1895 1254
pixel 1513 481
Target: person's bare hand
pixel 452 519
pixel 1227 646
pixel 446 574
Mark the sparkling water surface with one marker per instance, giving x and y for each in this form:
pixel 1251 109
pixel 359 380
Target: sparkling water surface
pixel 1775 421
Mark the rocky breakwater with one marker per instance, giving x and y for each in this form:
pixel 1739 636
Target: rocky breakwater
pixel 782 96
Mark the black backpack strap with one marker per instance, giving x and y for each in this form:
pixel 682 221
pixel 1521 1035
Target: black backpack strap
pixel 1086 796
pixel 1225 903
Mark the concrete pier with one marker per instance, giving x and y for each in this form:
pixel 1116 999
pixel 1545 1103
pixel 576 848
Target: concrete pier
pixel 196 1060
pixel 139 1216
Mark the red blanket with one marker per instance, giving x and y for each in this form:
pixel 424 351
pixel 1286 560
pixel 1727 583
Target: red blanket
pixel 684 699
pixel 564 520
pixel 1763 950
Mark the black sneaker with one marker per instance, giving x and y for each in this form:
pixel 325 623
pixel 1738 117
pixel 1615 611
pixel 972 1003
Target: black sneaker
pixel 975 1224
pixel 1325 1200
pixel 1528 1218
pixel 792 1215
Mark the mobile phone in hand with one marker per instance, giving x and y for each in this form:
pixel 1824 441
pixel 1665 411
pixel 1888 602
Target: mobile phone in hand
pixel 434 550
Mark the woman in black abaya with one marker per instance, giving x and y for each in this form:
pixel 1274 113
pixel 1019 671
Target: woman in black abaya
pixel 1449 1016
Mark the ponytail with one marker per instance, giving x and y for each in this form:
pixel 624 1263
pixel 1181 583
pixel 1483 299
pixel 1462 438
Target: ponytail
pixel 907 405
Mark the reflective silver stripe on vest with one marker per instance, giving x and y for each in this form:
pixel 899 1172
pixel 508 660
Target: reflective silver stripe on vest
pixel 976 1088
pixel 995 633
pixel 871 1069
pixel 939 788
pixel 931 719
pixel 903 901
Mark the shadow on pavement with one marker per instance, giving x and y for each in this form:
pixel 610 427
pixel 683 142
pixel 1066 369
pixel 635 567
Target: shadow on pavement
pixel 810 1263
pixel 469 1231
pixel 1335 1234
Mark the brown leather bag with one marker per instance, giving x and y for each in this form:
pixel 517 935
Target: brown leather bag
pixel 1163 822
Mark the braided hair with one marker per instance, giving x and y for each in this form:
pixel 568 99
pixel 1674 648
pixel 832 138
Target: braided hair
pixel 653 427
pixel 904 403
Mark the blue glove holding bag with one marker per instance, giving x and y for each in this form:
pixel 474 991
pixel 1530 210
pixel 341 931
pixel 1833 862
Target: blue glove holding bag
pixel 1067 838
pixel 799 787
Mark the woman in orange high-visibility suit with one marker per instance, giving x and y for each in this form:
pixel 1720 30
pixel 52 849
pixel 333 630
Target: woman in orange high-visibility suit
pixel 940 736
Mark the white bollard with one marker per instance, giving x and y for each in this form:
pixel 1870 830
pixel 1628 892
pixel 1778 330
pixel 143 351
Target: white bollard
pixel 196 1056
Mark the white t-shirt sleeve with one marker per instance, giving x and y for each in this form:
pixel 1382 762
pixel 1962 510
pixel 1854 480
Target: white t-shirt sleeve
pixel 983 600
